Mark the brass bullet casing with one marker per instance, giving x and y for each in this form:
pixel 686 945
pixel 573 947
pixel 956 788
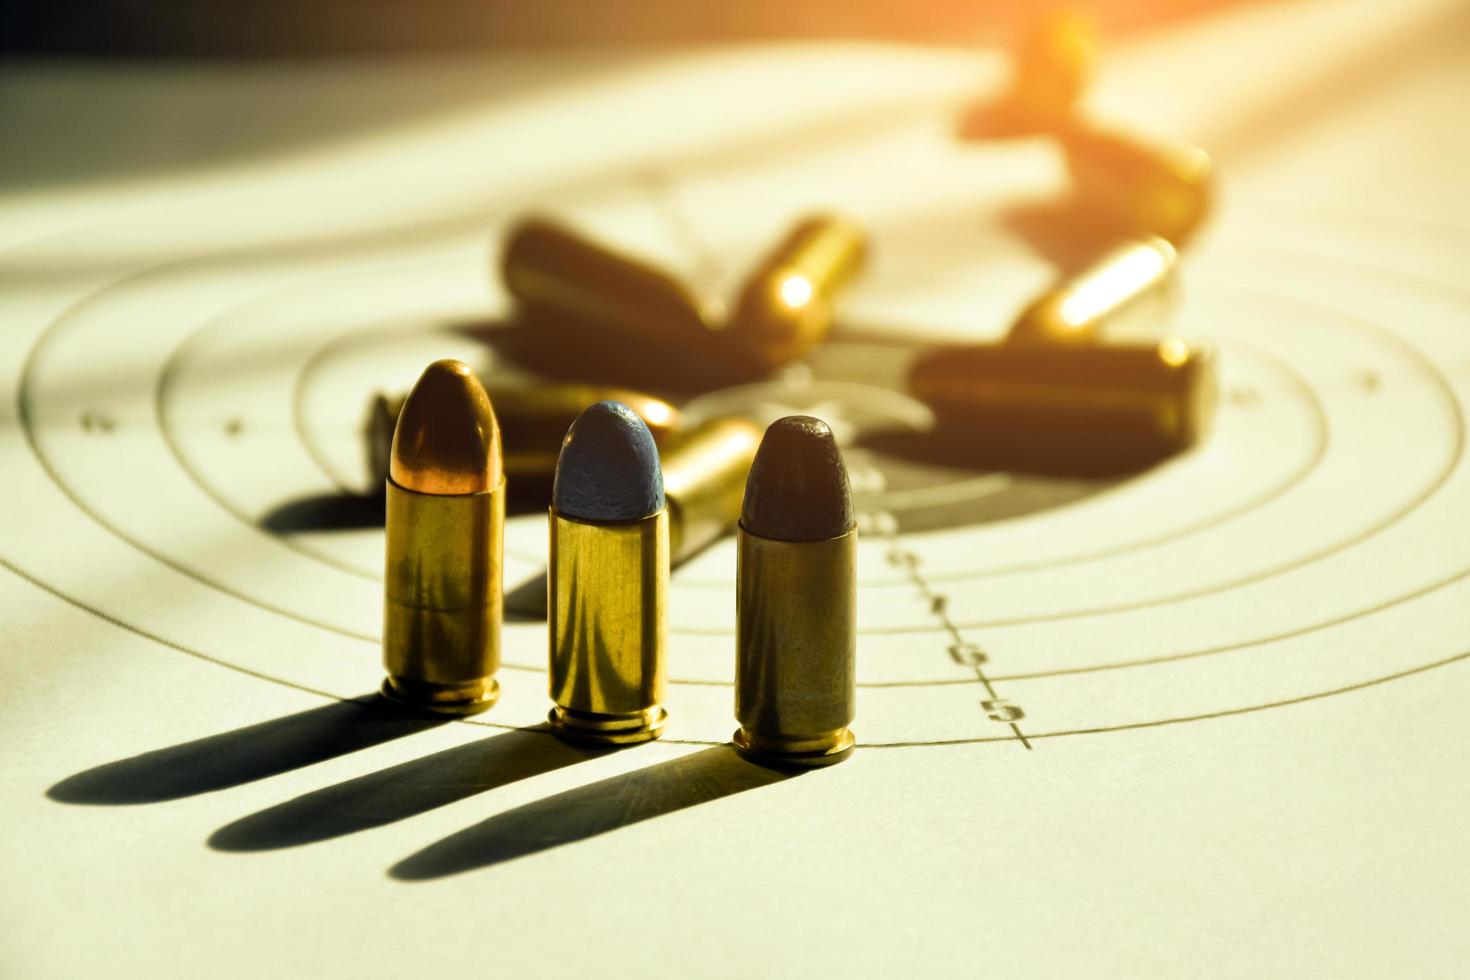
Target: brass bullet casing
pixel 704 482
pixel 796 682
pixel 1053 60
pixel 1129 290
pixel 607 581
pixel 533 419
pixel 785 307
pixel 551 269
pixel 1057 403
pixel 1163 189
pixel 796 602
pixel 445 529
pixel 606 611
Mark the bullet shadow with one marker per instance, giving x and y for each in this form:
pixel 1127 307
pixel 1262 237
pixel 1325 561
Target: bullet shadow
pixel 1069 232
pixel 589 811
pixel 326 512
pixel 401 791
pixel 526 603
pixel 243 755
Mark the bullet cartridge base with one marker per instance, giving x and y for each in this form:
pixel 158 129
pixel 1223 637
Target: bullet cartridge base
pixel 591 728
pixel 442 699
pixel 786 753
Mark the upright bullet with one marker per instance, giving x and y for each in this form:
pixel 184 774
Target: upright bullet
pixel 1131 289
pixel 786 306
pixel 796 633
pixel 445 530
pixel 607 581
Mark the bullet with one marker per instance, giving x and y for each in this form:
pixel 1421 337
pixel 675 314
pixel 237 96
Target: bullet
pixel 445 529
pixel 558 273
pixel 796 632
pixel 1057 405
pixel 704 483
pixel 1053 63
pixel 1129 290
pixel 533 419
pixel 1162 189
pixel 785 307
pixel 608 581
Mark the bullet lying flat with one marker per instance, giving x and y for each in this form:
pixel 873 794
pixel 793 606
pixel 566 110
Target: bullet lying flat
pixel 1059 404
pixel 796 635
pixel 786 306
pixel 551 268
pixel 445 532
pixel 1131 289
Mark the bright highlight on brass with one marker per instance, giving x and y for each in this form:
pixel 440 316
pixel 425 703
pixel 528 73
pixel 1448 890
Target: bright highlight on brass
pixel 785 308
pixel 1128 291
pixel 445 528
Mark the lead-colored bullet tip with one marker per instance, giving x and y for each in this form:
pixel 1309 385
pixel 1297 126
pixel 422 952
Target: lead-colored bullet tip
pixel 447 440
pixel 609 468
pixel 798 488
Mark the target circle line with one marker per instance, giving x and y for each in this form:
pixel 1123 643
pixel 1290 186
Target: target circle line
pixel 26 398
pixel 1259 641
pixel 162 389
pixel 1311 460
pixel 369 638
pixel 1455 456
pixel 15 569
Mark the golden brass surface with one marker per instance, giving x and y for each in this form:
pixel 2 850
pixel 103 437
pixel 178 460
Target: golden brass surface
pixel 442 598
pixel 1144 399
pixel 1129 290
pixel 549 267
pixel 704 481
pixel 446 438
pixel 606 609
pixel 533 419
pixel 1055 60
pixel 785 308
pixel 796 648
pixel 1163 189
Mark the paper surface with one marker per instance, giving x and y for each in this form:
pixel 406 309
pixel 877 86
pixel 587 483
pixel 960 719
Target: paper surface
pixel 1202 720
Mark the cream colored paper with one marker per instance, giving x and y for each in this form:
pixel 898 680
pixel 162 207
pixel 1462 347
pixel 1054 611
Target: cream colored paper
pixel 1219 723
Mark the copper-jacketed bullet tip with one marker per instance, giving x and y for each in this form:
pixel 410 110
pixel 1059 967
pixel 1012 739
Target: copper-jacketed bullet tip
pixel 447 440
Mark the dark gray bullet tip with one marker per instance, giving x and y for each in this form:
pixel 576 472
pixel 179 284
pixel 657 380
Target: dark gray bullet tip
pixel 798 489
pixel 608 470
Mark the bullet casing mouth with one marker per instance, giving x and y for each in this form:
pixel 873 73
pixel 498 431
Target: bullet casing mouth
pixel 443 592
pixel 796 644
pixel 607 588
